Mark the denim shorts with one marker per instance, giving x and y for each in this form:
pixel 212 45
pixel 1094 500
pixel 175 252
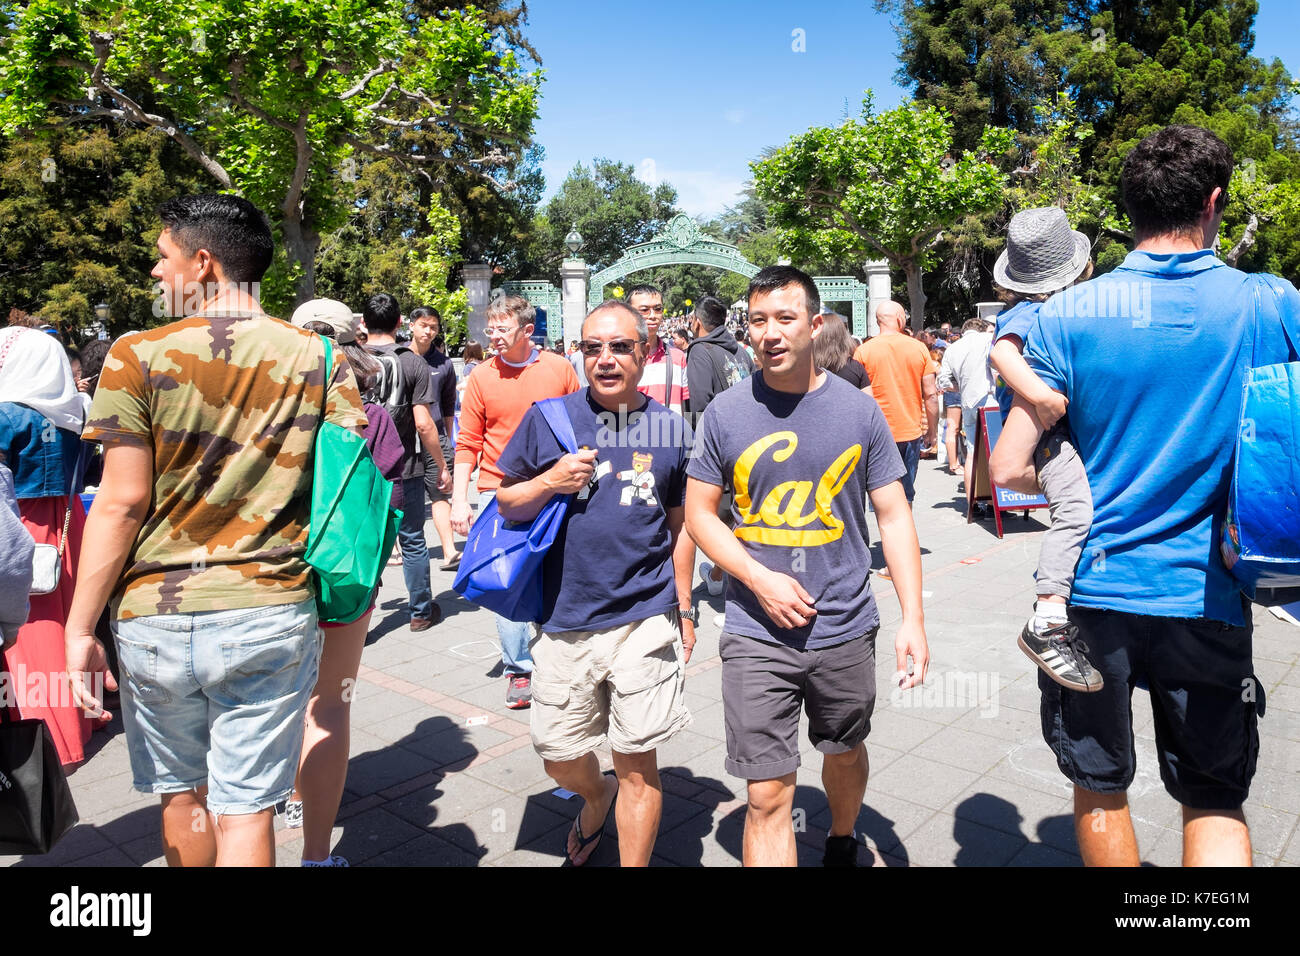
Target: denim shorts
pixel 218 698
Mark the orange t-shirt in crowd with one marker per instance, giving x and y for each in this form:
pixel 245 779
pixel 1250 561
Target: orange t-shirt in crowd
pixel 496 397
pixel 896 363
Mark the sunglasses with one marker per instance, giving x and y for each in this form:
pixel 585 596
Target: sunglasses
pixel 592 349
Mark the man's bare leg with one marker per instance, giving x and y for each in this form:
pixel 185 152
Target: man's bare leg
pixel 1215 838
pixel 442 523
pixel 1104 829
pixel 584 778
pixel 245 839
pixel 844 776
pixel 769 831
pixel 187 836
pixel 640 805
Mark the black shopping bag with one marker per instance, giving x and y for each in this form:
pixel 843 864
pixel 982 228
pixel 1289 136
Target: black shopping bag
pixel 36 807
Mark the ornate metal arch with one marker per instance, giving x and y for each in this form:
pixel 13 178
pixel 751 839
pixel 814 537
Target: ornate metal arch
pixel 680 242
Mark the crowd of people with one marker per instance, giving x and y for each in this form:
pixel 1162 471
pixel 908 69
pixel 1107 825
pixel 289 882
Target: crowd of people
pixel 689 437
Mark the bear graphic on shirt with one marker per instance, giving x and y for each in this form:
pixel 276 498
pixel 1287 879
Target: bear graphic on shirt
pixel 642 481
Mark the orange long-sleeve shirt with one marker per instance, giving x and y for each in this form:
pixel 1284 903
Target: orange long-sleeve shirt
pixel 496 397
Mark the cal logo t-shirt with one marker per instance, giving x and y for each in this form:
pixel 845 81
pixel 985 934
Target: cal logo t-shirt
pixel 800 467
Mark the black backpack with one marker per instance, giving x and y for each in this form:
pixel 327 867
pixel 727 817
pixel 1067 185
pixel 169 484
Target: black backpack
pixel 391 389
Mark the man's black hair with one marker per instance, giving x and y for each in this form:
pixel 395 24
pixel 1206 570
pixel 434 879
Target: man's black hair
pixel 771 278
pixel 641 288
pixel 711 312
pixel 1168 176
pixel 231 228
pixel 381 314
pixel 423 311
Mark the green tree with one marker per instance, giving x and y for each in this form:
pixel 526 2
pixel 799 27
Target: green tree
pixel 77 222
pixel 885 186
pixel 611 208
pixel 1131 66
pixel 274 98
pixel 986 61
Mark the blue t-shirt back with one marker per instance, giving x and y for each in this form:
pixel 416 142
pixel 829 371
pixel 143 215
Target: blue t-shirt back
pixel 1017 321
pixel 800 467
pixel 1152 358
pixel 612 562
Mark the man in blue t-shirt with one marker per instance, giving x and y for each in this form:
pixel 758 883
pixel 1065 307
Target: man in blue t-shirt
pixel 801 620
pixel 617 623
pixel 1151 358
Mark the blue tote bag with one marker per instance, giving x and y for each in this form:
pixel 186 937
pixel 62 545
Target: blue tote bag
pixel 501 564
pixel 1261 533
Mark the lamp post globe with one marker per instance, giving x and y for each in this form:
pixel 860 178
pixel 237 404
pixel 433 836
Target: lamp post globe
pixel 573 241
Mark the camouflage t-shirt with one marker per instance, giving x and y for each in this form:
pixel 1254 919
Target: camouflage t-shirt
pixel 229 405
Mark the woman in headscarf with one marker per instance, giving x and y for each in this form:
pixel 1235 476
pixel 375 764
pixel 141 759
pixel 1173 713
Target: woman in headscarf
pixel 41 416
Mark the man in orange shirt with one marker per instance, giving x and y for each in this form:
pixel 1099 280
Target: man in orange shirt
pixel 496 397
pixel 902 383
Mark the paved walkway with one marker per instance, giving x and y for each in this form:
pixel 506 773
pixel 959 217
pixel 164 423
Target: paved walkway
pixel 442 774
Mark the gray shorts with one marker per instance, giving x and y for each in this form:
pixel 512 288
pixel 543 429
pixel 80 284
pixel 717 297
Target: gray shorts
pixel 431 469
pixel 764 686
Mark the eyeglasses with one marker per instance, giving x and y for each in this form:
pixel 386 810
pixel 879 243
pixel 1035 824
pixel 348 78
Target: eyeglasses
pixel 593 349
pixel 650 309
pixel 500 330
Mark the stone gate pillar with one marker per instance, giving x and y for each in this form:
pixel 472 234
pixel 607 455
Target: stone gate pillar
pixel 878 290
pixel 573 289
pixel 477 277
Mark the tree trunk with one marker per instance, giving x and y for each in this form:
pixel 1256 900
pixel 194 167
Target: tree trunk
pixel 300 245
pixel 915 294
pixel 1244 243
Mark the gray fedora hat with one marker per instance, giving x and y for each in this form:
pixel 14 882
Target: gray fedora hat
pixel 1043 253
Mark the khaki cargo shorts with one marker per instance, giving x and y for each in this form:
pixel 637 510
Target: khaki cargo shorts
pixel 624 684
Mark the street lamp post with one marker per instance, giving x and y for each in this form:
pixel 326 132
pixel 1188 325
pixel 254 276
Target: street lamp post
pixel 102 314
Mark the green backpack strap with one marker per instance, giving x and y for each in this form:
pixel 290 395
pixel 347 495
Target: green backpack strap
pixel 329 369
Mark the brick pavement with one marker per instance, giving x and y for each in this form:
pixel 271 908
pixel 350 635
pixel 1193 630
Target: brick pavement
pixel 442 774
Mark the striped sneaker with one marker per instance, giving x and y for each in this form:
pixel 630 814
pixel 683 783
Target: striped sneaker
pixel 1060 654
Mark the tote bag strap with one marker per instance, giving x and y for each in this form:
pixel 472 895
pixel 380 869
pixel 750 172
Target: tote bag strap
pixel 554 412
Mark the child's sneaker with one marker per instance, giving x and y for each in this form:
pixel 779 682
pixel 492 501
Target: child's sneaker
pixel 293 814
pixel 1060 655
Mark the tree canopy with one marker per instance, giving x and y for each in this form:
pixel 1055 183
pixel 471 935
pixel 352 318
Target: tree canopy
pixel 885 186
pixel 277 98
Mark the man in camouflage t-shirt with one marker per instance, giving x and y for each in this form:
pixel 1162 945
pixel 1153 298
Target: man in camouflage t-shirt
pixel 198 534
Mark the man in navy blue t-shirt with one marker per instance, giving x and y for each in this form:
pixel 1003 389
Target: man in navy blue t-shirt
pixel 802 449
pixel 617 623
pixel 1151 358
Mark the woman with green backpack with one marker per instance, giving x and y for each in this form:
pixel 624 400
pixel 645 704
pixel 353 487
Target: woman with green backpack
pixel 323 766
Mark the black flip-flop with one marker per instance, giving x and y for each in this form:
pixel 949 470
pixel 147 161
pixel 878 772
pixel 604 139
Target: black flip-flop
pixel 451 565
pixel 586 841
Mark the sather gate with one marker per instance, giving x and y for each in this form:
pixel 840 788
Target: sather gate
pixel 680 242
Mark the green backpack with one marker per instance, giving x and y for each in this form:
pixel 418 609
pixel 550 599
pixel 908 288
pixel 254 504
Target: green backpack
pixel 353 525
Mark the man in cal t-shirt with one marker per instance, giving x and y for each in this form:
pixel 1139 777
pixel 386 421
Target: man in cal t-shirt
pixel 617 623
pixel 801 620
pixel 198 533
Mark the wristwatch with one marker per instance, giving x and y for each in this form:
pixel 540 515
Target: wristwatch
pixel 691 614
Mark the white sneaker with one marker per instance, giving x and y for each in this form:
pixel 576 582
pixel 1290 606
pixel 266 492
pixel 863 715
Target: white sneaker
pixel 332 861
pixel 715 587
pixel 293 814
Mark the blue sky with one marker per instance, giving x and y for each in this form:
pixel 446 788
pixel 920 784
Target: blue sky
pixel 690 92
